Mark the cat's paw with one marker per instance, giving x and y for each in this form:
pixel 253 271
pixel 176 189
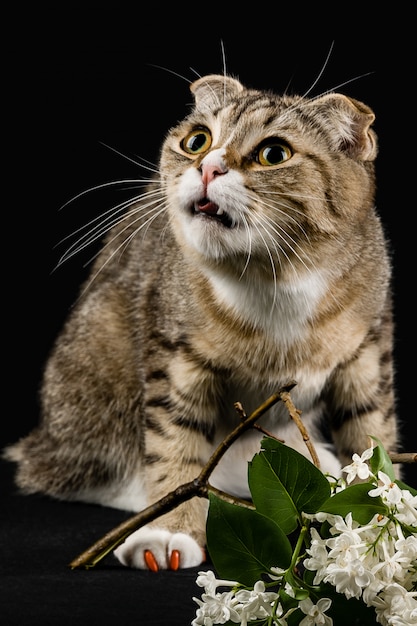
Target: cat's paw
pixel 156 549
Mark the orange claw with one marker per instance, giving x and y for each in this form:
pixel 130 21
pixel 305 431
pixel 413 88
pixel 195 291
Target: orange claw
pixel 174 561
pixel 150 561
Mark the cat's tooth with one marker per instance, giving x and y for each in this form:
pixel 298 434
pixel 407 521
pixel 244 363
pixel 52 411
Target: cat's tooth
pixel 219 211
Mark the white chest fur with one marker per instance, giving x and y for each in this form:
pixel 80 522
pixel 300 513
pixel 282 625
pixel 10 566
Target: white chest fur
pixel 280 309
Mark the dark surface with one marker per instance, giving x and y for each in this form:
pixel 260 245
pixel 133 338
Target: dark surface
pixel 39 537
pixel 71 81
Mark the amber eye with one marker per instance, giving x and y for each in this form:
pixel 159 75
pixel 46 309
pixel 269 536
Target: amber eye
pixel 273 153
pixel 199 140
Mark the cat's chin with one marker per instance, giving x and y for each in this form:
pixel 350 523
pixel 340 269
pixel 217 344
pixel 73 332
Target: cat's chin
pixel 212 240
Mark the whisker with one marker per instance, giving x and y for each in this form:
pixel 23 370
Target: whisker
pixel 105 222
pixel 120 247
pixel 166 69
pixel 271 259
pixel 338 86
pixel 113 183
pixel 288 207
pixel 145 225
pixel 151 166
pixel 198 74
pixel 277 246
pixel 224 70
pixel 301 103
pixel 195 72
pixel 282 234
pixel 81 246
pixel 290 226
pixel 305 94
pixel 343 84
pixel 249 253
pixel 223 57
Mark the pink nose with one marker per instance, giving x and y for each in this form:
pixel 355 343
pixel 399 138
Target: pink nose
pixel 211 171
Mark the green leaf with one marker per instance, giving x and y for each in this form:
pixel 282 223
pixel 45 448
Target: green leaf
pixel 406 487
pixel 380 460
pixel 355 500
pixel 242 542
pixel 284 483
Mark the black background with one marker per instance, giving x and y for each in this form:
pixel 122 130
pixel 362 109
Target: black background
pixel 73 83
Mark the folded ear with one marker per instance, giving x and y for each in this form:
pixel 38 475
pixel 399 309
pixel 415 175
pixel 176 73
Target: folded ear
pixel 350 123
pixel 214 90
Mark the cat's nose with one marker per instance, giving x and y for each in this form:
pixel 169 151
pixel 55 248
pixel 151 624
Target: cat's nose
pixel 211 171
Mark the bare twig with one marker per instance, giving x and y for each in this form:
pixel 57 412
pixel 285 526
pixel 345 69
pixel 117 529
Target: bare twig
pixel 241 412
pixel 198 487
pixel 295 415
pixel 403 457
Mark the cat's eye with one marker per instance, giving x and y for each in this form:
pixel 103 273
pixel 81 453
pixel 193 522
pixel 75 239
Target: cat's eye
pixel 273 153
pixel 199 140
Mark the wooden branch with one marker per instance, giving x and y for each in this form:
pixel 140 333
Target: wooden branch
pixel 198 487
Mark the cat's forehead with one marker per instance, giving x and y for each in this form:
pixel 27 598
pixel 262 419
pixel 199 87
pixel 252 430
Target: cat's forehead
pixel 248 107
pixel 248 116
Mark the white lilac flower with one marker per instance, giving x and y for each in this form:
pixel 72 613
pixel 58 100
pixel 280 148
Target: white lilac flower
pixel 389 491
pixel 348 544
pixel 241 607
pixel 349 579
pixel 406 545
pixel 341 524
pixel 407 509
pixel 277 573
pixel 359 467
pixel 344 549
pixel 256 603
pixel 393 565
pixel 217 609
pixel 315 612
pixel 336 485
pixel 319 556
pixel 395 606
pixel 371 591
pixel 210 583
pixel 320 516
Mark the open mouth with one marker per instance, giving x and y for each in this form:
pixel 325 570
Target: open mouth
pixel 210 210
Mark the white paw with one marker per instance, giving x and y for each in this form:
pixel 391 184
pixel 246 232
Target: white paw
pixel 155 548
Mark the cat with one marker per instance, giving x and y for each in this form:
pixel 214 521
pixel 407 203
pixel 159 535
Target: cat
pixel 255 256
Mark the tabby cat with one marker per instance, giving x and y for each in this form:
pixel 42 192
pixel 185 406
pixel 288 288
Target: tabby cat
pixel 254 256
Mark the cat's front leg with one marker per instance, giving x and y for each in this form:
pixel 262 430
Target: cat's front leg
pixel 360 400
pixel 175 540
pixel 180 433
